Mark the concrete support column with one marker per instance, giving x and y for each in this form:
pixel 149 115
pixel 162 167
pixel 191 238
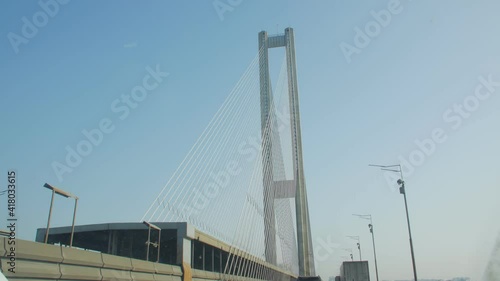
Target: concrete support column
pixel 304 240
pixel 265 109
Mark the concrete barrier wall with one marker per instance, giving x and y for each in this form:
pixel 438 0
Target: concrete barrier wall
pixel 37 261
pixel 40 262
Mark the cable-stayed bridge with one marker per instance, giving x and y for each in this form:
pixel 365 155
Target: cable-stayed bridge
pixel 237 204
pixel 243 180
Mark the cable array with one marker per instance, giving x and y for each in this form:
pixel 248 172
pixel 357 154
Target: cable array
pixel 219 187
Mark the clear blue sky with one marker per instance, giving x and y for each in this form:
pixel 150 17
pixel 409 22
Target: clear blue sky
pixel 394 91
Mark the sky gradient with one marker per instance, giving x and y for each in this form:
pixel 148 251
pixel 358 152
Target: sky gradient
pixel 422 75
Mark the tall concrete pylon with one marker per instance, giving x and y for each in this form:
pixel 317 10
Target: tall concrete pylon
pixel 284 189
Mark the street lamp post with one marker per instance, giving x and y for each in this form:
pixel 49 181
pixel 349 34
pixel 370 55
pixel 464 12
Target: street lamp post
pixel 50 216
pixel 73 223
pixel 148 243
pixel 358 244
pixel 65 194
pixel 350 251
pixel 370 226
pixel 402 190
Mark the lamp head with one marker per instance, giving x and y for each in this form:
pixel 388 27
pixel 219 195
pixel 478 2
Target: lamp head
pixel 59 191
pixel 400 182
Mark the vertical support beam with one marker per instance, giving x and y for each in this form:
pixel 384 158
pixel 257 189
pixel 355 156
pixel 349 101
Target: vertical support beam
pixel 304 240
pixel 48 220
pixel 265 109
pixel 73 224
pixel 110 236
pixel 148 243
pixel 159 243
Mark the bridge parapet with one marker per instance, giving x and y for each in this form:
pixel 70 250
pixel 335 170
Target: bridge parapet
pixel 53 262
pixel 36 261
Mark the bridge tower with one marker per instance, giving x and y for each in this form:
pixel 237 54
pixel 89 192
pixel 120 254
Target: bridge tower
pixel 289 188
